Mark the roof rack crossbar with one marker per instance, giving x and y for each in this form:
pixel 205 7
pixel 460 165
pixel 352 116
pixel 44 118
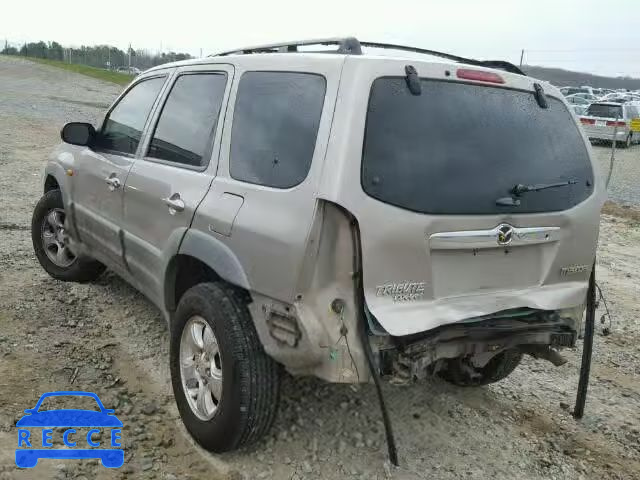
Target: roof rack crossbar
pixel 352 46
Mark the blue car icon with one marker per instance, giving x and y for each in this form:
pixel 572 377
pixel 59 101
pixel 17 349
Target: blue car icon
pixel 29 449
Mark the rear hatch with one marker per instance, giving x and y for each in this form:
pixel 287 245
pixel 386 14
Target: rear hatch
pixel 443 239
pixel 602 118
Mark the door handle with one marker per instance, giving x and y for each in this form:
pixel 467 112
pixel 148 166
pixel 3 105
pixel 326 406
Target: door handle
pixel 113 182
pixel 175 203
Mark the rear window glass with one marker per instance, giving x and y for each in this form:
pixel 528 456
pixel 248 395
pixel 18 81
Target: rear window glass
pixel 458 148
pixel 605 111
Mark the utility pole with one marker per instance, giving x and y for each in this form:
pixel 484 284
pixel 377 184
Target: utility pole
pixel 129 57
pixel 521 57
pixel 201 53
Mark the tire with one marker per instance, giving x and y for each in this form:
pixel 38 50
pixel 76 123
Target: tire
pixel 78 269
pixel 627 143
pixel 460 372
pixel 249 378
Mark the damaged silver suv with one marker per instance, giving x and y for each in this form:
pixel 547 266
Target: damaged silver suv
pixel 332 213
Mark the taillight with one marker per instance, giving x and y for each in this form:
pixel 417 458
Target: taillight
pixel 479 76
pixel 588 121
pixel 616 124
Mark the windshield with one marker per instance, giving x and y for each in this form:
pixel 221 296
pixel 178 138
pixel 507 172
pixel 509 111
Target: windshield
pixel 605 111
pixel 58 402
pixel 457 148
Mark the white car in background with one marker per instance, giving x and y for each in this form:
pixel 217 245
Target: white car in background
pixel 578 99
pixel 611 121
pixel 580 109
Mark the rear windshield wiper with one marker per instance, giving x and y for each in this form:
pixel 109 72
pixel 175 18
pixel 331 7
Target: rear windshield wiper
pixel 519 189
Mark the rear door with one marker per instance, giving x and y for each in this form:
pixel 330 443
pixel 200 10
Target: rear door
pixel 262 202
pixel 180 159
pixel 102 171
pixel 429 178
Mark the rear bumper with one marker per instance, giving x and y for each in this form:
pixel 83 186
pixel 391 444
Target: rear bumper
pixel 596 134
pixel 400 319
pixel 110 458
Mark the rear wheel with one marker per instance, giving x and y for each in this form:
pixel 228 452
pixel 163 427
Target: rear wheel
pixel 51 243
pixel 226 387
pixel 627 143
pixel 460 371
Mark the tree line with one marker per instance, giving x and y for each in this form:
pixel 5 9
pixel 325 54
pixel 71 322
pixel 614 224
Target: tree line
pixel 101 56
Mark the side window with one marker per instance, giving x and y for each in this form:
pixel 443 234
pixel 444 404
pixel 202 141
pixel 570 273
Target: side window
pixel 188 119
pixel 275 124
pixel 122 129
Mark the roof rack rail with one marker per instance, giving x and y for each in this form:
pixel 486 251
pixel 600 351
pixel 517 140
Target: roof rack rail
pixel 352 46
pixel 347 45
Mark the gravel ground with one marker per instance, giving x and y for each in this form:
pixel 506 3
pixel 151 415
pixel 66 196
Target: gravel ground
pixel 106 338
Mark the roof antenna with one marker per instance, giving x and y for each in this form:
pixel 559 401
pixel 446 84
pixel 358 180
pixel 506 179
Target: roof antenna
pixel 413 82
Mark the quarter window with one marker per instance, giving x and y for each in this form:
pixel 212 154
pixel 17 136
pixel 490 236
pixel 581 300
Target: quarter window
pixel 122 129
pixel 275 124
pixel 188 119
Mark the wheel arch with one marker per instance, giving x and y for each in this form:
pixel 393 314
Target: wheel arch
pixel 51 183
pixel 201 257
pixel 55 178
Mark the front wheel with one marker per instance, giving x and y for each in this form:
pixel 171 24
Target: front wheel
pixel 226 387
pixel 51 243
pixel 460 371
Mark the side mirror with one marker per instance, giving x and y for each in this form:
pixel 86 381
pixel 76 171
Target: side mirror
pixel 78 133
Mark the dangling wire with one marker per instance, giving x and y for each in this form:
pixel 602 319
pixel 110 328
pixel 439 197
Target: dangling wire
pixel 606 316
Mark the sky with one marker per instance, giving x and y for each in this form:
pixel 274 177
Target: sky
pixel 601 37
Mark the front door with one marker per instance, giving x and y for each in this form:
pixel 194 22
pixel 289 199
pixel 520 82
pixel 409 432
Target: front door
pixel 102 170
pixel 180 158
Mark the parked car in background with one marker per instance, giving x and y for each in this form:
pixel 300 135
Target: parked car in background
pixel 604 118
pixel 566 91
pixel 580 109
pixel 587 96
pixel 577 100
pixel 621 98
pixel 130 70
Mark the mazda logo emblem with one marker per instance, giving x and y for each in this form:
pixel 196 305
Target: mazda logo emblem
pixel 505 234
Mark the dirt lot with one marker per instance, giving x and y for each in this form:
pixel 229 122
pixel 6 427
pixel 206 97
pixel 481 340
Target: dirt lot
pixel 106 338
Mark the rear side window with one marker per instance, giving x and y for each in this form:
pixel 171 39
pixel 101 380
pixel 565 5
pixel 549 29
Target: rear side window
pixel 188 119
pixel 605 111
pixel 275 124
pixel 122 129
pixel 458 148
